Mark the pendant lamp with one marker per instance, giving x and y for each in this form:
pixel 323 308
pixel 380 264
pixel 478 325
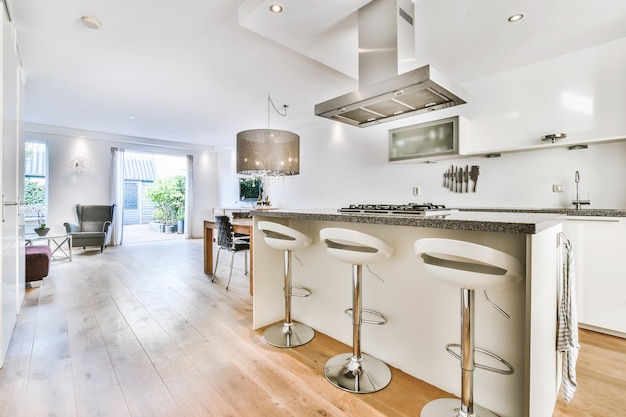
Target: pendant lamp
pixel 268 151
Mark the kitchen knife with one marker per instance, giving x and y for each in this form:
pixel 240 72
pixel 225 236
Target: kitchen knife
pixel 466 178
pixel 460 183
pixel 455 177
pixel 451 183
pixel 474 176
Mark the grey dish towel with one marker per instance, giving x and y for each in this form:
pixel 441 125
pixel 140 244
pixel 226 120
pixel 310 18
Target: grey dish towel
pixel 567 339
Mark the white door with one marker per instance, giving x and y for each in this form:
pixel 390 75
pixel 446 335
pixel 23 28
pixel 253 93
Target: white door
pixel 10 153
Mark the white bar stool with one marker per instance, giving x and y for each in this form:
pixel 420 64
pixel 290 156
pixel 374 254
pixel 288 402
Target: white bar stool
pixel 470 267
pixel 357 372
pixel 287 334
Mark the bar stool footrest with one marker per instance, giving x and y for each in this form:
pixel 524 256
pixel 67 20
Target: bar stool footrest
pixel 305 292
pixel 507 371
pixel 380 322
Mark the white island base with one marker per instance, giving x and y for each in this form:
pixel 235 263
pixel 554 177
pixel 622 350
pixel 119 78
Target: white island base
pixel 423 312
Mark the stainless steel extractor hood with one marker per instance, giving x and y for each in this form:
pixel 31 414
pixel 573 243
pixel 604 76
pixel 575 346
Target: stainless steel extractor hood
pixel 386 47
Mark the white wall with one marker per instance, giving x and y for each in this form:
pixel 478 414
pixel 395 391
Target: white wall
pixel 341 164
pixel 67 189
pixel 354 170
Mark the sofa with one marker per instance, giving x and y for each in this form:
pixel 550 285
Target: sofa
pixel 94 226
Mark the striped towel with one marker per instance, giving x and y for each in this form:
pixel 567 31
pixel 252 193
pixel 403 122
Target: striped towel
pixel 567 340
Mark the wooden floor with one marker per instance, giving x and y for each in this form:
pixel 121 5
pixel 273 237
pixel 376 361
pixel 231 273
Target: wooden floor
pixel 139 330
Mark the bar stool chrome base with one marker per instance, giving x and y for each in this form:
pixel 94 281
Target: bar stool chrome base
pixel 451 407
pixel 288 334
pixel 363 376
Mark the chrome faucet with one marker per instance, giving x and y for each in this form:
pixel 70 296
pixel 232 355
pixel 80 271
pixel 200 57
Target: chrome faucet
pixel 578 202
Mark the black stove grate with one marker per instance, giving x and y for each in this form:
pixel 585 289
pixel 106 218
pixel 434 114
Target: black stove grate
pixel 411 208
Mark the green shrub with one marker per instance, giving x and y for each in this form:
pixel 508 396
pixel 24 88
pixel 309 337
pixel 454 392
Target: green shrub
pixel 168 196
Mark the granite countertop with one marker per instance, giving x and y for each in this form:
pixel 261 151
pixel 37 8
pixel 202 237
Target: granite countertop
pixel 487 221
pixel 563 211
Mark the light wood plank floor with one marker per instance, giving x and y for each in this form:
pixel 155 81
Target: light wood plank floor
pixel 139 330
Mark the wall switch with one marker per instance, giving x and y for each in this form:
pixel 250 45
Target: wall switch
pixel 557 188
pixel 416 191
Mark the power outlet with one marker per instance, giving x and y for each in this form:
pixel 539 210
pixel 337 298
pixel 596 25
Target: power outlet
pixel 416 191
pixel 557 188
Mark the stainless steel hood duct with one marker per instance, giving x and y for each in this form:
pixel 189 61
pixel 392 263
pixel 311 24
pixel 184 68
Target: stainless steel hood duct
pixel 387 47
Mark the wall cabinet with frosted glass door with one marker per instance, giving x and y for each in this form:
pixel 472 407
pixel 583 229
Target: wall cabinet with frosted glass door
pixel 429 141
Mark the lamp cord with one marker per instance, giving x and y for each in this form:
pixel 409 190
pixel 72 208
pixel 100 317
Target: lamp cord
pixel 269 101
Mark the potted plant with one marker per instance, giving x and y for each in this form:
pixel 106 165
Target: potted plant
pixel 168 196
pixel 180 219
pixel 42 230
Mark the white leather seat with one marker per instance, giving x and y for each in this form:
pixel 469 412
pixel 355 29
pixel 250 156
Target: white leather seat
pixel 281 237
pixel 469 265
pixel 355 247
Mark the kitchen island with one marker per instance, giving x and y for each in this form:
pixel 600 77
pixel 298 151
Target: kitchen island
pixel 423 312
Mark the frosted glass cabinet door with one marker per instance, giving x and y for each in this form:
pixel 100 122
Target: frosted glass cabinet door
pixel 425 140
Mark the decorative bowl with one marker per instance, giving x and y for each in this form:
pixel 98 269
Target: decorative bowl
pixel 42 231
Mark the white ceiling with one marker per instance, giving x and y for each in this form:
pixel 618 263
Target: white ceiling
pixel 199 71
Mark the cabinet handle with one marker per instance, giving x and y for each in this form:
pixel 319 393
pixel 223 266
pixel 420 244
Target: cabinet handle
pixel 590 219
pixel 7 203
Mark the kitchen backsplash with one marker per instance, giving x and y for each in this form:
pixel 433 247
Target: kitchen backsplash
pixel 353 174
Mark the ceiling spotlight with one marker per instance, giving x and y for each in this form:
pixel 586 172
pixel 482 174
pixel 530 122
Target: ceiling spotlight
pixel 276 8
pixel 91 22
pixel 516 17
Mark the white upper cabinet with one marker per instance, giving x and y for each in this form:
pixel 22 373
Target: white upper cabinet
pixel 582 94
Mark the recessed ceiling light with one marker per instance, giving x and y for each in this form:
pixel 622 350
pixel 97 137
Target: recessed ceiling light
pixel 516 17
pixel 276 8
pixel 91 22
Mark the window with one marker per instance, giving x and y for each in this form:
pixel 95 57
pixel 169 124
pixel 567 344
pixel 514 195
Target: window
pixel 131 195
pixel 35 183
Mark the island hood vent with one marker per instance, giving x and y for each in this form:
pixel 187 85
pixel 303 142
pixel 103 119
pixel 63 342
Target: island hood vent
pixel 387 90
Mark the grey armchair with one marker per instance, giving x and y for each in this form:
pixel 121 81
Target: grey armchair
pixel 94 226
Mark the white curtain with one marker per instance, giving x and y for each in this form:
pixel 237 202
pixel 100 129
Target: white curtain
pixel 117 194
pixel 188 197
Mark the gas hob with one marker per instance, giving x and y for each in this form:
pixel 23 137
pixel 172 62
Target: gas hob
pixel 411 209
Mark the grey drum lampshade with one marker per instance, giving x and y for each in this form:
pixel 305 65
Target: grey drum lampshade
pixel 268 152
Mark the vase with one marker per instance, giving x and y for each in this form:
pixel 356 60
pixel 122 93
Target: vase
pixel 42 231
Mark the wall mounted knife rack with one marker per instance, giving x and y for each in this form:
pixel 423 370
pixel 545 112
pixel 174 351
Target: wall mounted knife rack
pixel 457 179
